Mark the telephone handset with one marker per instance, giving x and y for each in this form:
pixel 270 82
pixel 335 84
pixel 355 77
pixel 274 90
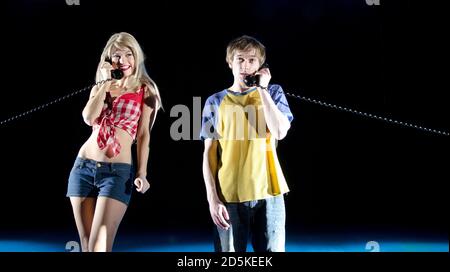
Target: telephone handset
pixel 116 73
pixel 253 80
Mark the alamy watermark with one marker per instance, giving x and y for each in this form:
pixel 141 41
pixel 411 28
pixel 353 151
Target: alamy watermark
pixel 373 2
pixel 72 246
pixel 240 122
pixel 373 246
pixel 73 2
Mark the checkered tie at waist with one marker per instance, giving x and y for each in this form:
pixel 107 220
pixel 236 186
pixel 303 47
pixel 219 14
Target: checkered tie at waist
pixel 124 113
pixel 107 136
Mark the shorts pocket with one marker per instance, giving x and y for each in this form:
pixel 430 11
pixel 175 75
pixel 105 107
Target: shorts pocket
pixel 125 176
pixel 123 173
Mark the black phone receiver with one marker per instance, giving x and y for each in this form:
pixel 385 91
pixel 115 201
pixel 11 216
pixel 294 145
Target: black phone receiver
pixel 253 80
pixel 116 73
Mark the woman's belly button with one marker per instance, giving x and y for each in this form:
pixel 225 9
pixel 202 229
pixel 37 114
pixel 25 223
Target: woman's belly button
pixel 91 149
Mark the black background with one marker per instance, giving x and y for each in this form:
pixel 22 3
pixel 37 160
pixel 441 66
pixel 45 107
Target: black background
pixel 346 173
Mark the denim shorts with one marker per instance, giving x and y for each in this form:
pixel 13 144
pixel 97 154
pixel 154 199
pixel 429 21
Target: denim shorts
pixel 89 178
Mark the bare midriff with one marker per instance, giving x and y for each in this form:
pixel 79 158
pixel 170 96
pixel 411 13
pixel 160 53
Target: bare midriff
pixel 90 149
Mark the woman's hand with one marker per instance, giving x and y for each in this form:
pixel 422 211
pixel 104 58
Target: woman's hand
pixel 142 185
pixel 105 70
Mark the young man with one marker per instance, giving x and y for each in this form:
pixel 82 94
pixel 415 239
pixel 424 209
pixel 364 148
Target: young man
pixel 243 178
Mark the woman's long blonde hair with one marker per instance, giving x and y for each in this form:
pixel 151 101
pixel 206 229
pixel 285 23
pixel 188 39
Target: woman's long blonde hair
pixel 140 76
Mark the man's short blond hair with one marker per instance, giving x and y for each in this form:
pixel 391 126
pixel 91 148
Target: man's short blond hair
pixel 246 43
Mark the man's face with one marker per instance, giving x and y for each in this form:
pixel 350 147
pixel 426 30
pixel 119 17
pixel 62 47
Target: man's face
pixel 244 63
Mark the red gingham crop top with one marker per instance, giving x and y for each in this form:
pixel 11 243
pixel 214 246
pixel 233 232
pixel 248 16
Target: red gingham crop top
pixel 124 113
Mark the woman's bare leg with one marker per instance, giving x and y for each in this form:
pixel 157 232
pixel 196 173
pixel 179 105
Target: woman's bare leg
pixel 108 215
pixel 83 211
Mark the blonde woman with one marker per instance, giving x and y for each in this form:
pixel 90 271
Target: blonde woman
pixel 120 112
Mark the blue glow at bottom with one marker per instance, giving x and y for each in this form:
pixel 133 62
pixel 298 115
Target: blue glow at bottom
pixel 158 243
pixel 293 247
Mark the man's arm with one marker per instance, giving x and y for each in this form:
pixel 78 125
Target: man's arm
pixel 217 209
pixel 276 121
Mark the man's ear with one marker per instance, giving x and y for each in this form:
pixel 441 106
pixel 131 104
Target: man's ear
pixel 229 65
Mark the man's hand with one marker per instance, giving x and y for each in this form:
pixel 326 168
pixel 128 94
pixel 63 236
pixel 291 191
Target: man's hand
pixel 219 214
pixel 264 78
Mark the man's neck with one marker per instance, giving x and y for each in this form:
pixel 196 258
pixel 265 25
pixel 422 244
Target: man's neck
pixel 239 87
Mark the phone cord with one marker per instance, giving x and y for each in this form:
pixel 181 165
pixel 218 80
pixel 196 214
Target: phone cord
pixel 53 102
pixel 365 114
pixel 314 101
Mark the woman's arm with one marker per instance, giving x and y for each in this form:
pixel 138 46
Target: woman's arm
pixel 146 121
pixel 94 106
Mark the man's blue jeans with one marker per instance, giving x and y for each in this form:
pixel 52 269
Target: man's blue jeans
pixel 261 220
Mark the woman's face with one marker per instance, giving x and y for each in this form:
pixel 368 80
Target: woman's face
pixel 123 59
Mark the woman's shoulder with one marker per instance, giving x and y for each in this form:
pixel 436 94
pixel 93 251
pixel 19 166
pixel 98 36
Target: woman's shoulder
pixel 149 96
